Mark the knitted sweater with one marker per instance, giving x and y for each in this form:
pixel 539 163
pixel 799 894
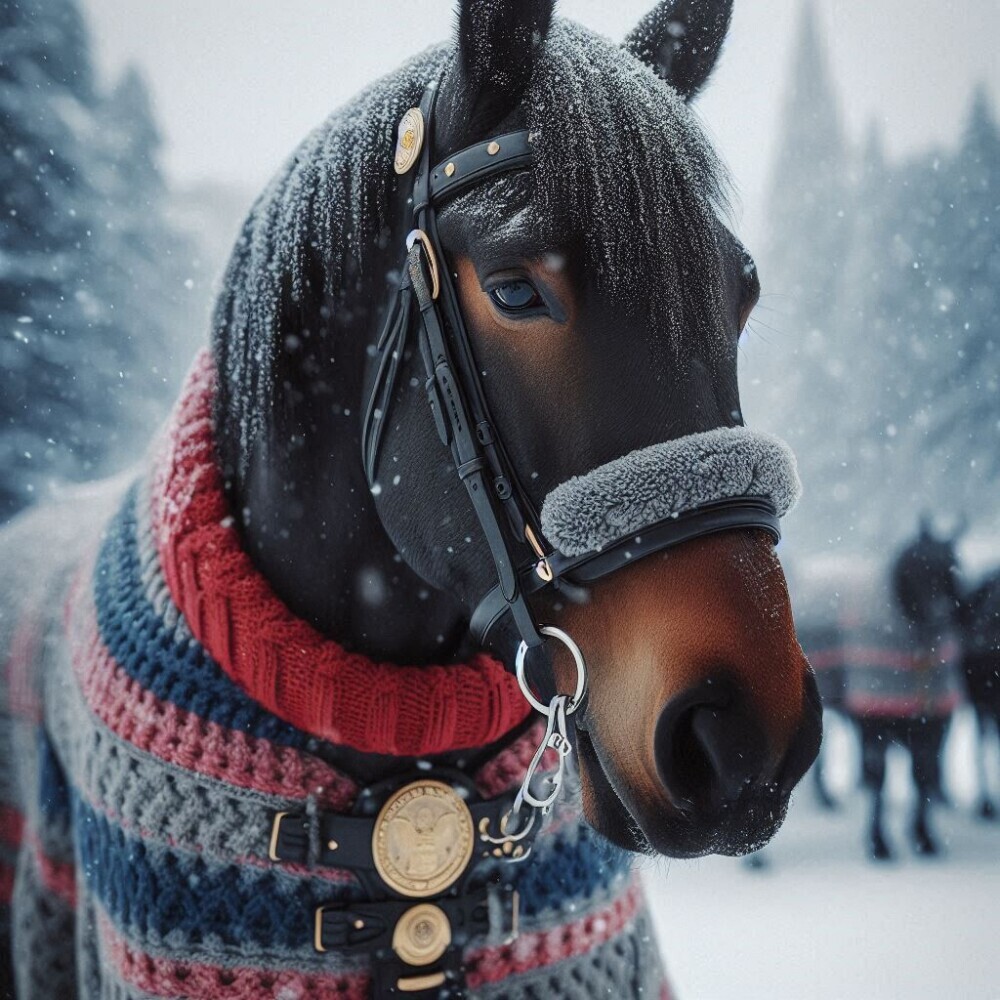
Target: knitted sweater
pixel 892 668
pixel 145 745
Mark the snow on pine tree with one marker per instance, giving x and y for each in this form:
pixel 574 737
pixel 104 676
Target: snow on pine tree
pixel 967 425
pixel 921 287
pixel 803 376
pixel 84 355
pixel 884 280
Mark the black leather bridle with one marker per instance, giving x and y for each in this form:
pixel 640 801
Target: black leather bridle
pixel 524 563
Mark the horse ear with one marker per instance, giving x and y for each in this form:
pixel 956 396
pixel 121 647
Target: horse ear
pixel 498 42
pixel 681 40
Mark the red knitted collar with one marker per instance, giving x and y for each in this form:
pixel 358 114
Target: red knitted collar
pixel 291 669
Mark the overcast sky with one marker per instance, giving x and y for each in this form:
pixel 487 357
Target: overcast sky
pixel 237 83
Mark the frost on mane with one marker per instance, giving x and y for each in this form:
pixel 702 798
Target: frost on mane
pixel 622 167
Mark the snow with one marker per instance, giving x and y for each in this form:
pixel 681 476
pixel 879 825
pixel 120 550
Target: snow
pixel 820 921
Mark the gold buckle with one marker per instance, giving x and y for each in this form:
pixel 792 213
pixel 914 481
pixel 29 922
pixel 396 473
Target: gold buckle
pixel 542 567
pixel 432 263
pixel 422 934
pixel 272 847
pixel 318 929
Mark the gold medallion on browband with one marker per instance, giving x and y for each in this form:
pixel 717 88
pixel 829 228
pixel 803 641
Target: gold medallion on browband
pixel 409 140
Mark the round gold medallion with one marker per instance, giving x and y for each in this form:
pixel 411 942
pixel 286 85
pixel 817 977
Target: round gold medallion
pixel 423 839
pixel 422 934
pixel 409 140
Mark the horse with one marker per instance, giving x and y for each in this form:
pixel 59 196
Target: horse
pixel 901 650
pixel 471 406
pixel 980 622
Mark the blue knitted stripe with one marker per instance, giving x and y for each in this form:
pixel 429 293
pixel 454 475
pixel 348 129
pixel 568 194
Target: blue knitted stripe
pixel 174 668
pixel 567 866
pixel 155 891
pixel 53 791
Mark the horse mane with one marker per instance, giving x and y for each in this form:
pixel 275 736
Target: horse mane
pixel 622 165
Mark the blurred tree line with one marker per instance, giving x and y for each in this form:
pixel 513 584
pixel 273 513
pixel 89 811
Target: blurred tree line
pixel 94 281
pixel 886 377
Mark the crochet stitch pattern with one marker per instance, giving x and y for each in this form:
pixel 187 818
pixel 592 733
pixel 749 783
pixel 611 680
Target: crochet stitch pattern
pixel 141 764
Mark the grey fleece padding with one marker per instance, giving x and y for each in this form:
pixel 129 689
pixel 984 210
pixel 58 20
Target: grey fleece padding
pixel 588 512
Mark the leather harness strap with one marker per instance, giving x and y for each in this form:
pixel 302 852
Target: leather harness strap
pixel 346 841
pixel 744 512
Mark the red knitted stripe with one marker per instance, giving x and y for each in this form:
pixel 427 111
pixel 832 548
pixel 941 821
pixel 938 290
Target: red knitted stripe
pixel 902 706
pixel 825 659
pixel 6 883
pixel 881 657
pixel 165 977
pixel 11 826
pixel 531 951
pixel 58 877
pixel 22 669
pixel 280 660
pixel 186 740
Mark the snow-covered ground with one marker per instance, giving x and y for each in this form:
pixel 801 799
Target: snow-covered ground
pixel 820 922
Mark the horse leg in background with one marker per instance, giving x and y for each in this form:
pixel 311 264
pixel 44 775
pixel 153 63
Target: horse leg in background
pixel 875 740
pixel 925 740
pixel 987 725
pixel 823 796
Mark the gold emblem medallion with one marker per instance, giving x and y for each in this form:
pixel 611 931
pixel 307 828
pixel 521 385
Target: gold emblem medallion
pixel 422 934
pixel 423 839
pixel 409 140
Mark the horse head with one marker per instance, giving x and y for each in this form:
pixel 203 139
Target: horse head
pixel 603 297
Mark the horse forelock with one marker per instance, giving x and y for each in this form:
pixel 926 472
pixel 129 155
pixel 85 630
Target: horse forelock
pixel 622 167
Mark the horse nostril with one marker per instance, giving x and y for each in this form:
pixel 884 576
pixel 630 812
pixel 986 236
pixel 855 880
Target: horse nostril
pixel 708 747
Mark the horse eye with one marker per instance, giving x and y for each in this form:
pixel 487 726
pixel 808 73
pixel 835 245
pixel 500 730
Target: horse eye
pixel 513 296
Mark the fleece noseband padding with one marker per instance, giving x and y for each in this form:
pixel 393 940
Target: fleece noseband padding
pixel 588 512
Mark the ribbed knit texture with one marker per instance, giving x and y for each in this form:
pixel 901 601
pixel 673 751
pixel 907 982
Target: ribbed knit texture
pixel 139 774
pixel 286 665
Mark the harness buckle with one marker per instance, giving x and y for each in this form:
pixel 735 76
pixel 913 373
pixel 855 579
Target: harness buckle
pixel 543 568
pixel 289 839
pixel 418 235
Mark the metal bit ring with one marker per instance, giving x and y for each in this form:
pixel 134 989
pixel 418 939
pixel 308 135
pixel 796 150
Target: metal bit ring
pixel 581 672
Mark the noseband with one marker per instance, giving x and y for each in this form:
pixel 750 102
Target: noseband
pixel 525 562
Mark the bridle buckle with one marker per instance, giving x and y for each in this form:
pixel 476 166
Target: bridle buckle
pixel 543 568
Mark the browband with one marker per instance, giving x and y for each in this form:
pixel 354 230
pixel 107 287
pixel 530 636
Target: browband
pixel 475 163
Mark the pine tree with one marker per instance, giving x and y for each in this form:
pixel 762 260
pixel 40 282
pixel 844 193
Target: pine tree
pixel 91 292
pixel 46 230
pixel 802 375
pixel 858 344
pixel 887 376
pixel 963 425
pixel 147 260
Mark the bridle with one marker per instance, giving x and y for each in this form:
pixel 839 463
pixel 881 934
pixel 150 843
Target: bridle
pixel 525 564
